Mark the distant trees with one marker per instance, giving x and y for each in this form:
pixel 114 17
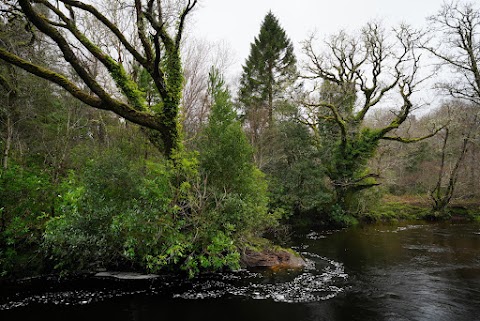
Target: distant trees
pixel 198 58
pixel 16 40
pixel 158 30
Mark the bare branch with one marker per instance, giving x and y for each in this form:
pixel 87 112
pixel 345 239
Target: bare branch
pixel 457 47
pixel 412 140
pixel 110 25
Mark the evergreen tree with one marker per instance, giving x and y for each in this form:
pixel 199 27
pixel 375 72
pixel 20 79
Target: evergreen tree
pixel 269 69
pixel 226 160
pixel 268 72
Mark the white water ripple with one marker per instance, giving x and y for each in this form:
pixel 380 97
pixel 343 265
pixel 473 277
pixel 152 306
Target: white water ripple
pixel 309 286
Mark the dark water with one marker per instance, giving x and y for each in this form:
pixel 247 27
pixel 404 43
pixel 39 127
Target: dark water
pixel 406 272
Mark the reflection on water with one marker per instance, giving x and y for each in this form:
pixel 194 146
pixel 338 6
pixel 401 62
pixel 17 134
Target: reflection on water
pixel 403 272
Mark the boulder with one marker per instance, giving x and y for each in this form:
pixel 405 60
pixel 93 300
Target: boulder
pixel 276 259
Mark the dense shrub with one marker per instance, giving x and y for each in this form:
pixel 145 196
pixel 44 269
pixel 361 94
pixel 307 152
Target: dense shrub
pixel 25 202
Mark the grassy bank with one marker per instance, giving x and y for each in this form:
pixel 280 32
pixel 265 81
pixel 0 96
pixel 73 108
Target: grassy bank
pixel 419 207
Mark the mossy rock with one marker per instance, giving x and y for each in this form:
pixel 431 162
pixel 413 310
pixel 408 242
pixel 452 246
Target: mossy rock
pixel 274 257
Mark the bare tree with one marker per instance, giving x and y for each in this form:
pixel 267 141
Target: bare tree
pixel 352 76
pixel 158 26
pixel 461 131
pixel 199 56
pixel 454 40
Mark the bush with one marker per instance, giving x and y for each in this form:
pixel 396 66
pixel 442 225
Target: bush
pixel 25 203
pixel 192 212
pixel 118 214
pixel 80 236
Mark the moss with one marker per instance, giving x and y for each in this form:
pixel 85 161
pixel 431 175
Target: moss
pixel 129 88
pixel 393 211
pixel 260 244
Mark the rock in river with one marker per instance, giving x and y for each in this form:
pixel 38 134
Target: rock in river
pixel 272 258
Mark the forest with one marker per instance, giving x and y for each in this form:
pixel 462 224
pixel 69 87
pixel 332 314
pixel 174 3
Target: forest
pixel 124 147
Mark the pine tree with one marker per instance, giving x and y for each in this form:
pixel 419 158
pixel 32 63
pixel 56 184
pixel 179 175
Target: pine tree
pixel 269 69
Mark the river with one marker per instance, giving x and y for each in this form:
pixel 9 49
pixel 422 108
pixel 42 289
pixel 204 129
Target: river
pixel 416 271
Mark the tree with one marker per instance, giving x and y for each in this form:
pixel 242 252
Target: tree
pixel 268 71
pixel 198 56
pixel 226 159
pixel 9 90
pixel 462 130
pixel 454 40
pixel 17 41
pixel 158 28
pixel 296 185
pixel 350 78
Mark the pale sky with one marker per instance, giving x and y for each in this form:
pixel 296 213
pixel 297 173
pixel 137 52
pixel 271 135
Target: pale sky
pixel 237 22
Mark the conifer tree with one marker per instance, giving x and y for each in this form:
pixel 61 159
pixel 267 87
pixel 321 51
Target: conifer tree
pixel 226 161
pixel 269 69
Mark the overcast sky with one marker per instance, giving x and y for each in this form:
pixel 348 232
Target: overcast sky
pixel 238 21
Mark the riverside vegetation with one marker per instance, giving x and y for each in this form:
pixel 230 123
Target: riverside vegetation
pixel 124 156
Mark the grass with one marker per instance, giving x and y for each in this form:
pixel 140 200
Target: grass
pixel 419 207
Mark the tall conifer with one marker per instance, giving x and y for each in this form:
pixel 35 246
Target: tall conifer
pixel 269 69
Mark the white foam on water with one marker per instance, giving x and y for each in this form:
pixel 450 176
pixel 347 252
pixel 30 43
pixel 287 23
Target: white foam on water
pixel 309 286
pixel 322 279
pixel 78 297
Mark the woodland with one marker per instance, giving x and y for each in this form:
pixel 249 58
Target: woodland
pixel 123 145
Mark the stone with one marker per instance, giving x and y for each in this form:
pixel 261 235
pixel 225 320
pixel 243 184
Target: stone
pixel 276 259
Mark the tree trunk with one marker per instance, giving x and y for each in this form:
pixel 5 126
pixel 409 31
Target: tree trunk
pixel 442 196
pixel 8 141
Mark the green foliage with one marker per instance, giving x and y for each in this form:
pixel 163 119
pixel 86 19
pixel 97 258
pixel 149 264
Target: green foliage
pixel 129 88
pixel 116 213
pixel 226 160
pixel 350 161
pixel 270 65
pixel 169 228
pixel 340 217
pixel 346 148
pixel 79 237
pixel 393 211
pixel 226 154
pixel 296 178
pixel 25 203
